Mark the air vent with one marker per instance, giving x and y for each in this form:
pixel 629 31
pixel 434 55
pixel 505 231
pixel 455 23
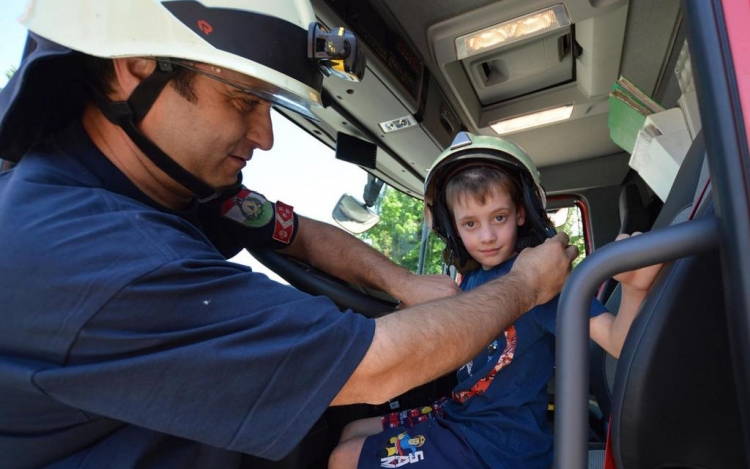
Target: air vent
pixel 522 68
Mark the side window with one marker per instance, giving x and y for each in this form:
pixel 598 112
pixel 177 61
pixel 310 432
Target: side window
pixel 400 233
pixel 568 216
pixel 304 173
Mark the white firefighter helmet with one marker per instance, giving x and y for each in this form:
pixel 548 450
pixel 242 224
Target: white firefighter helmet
pixel 267 40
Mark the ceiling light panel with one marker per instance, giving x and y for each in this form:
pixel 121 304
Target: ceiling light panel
pixel 548 116
pixel 509 32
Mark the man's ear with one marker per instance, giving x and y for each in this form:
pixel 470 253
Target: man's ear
pixel 129 72
pixel 521 215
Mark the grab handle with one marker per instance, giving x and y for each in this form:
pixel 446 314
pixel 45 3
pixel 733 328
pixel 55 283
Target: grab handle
pixel 572 373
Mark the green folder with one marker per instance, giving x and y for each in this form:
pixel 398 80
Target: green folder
pixel 628 108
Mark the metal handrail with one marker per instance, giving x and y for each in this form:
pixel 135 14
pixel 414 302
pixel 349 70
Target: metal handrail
pixel 572 373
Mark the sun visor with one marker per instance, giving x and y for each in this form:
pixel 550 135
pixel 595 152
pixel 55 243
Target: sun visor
pixel 42 96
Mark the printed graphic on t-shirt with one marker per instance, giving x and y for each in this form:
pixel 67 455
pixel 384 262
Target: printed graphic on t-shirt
pixel 402 450
pixel 503 360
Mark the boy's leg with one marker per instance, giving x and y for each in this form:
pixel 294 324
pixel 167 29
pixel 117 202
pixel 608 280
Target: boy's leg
pixel 433 444
pixel 361 428
pixel 346 454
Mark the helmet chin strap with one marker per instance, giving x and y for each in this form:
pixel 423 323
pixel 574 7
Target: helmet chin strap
pixel 127 114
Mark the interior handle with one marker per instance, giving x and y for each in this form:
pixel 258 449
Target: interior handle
pixel 572 373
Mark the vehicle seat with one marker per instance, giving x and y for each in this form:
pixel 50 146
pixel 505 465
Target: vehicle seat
pixel 676 209
pixel 674 401
pixel 634 216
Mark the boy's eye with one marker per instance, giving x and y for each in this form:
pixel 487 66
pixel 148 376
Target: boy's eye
pixel 500 218
pixel 469 224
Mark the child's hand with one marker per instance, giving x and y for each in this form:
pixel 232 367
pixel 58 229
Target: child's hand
pixel 640 280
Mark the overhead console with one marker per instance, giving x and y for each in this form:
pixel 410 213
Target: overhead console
pixel 509 59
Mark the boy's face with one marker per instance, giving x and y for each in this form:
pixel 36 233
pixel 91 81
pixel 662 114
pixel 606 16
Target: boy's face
pixel 488 230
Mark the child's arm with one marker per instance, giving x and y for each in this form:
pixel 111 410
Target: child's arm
pixel 609 331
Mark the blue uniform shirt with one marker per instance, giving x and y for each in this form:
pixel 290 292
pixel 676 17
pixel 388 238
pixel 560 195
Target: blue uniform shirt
pixel 128 340
pixel 504 412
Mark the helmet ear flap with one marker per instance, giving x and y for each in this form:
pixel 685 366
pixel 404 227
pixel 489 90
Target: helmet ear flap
pixel 538 226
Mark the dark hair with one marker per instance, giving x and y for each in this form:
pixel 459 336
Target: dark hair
pixel 478 182
pixel 100 73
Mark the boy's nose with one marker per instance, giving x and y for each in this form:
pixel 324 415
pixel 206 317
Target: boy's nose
pixel 487 235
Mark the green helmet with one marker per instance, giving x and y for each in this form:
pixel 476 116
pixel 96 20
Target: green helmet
pixel 477 150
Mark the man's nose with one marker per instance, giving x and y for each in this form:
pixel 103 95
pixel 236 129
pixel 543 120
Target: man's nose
pixel 260 127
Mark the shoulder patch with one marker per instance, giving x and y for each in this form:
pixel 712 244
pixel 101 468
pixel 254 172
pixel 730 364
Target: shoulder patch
pixel 284 227
pixel 248 208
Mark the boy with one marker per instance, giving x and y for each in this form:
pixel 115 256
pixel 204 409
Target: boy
pixel 484 199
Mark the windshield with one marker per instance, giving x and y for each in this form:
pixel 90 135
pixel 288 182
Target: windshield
pixel 304 173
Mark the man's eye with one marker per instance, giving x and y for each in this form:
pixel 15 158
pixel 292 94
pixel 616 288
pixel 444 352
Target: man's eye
pixel 250 103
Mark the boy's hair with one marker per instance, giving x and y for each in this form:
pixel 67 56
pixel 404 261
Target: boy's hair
pixel 478 182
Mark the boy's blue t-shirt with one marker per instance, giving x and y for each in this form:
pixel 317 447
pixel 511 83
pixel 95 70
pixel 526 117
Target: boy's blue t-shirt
pixel 504 417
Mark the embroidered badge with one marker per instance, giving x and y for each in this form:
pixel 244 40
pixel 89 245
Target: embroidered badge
pixel 402 450
pixel 248 208
pixel 284 227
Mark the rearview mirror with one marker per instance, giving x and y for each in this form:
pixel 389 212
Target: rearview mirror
pixel 353 216
pixel 559 216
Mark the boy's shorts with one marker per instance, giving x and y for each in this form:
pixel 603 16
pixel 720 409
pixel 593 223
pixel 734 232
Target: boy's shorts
pixel 429 445
pixel 410 417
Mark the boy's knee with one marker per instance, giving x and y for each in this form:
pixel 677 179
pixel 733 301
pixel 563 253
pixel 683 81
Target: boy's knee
pixel 348 432
pixel 346 455
pixel 361 428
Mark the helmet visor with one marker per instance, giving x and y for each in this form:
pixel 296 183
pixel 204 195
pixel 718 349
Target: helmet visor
pixel 263 90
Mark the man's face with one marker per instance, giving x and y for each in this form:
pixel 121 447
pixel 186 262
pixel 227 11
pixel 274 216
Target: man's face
pixel 488 230
pixel 214 136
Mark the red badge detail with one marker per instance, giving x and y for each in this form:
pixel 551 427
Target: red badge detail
pixel 205 26
pixel 284 227
pixel 231 202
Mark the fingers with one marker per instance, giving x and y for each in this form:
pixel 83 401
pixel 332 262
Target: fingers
pixel 572 252
pixel 547 266
pixel 625 235
pixel 560 237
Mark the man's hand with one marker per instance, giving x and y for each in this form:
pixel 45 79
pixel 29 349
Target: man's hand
pixel 546 267
pixel 422 288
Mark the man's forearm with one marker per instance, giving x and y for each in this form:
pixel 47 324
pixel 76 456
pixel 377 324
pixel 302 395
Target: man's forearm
pixel 340 254
pixel 420 343
pixel 426 341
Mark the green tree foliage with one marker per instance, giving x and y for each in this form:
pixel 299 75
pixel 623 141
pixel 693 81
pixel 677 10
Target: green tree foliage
pixel 399 233
pixel 573 226
pixel 9 73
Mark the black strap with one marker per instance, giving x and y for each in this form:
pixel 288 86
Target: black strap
pixel 126 114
